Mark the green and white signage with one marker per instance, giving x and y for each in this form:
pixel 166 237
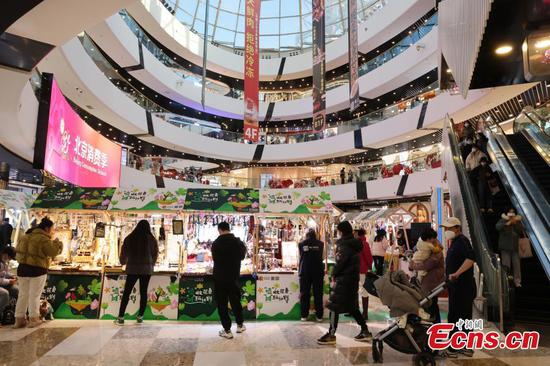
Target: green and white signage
pixel 299 201
pixel 153 199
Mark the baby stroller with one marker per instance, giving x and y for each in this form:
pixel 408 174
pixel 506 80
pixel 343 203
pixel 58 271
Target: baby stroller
pixel 408 332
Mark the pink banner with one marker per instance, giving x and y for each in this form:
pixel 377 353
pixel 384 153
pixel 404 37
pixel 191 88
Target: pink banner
pixel 77 153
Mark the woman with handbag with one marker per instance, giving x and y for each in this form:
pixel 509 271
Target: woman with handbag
pixel 510 231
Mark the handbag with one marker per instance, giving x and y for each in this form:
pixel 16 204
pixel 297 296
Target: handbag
pixel 525 250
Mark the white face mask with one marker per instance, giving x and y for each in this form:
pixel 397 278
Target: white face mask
pixel 450 235
pixel 511 214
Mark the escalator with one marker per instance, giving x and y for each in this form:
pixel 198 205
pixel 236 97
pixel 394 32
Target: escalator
pixel 525 174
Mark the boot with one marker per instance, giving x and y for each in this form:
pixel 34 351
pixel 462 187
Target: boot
pixel 34 322
pixel 20 323
pixel 365 307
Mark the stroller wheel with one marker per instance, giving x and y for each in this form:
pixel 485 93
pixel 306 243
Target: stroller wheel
pixel 424 359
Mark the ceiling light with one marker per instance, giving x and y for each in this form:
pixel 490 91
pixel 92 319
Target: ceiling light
pixel 543 43
pixel 503 50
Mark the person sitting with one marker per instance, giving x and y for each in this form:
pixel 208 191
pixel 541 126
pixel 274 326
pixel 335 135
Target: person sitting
pixel 8 287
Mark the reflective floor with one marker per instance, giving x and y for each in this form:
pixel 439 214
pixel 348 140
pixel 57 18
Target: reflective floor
pixel 95 342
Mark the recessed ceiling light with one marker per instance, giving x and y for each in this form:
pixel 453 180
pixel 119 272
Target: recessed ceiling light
pixel 449 71
pixel 503 50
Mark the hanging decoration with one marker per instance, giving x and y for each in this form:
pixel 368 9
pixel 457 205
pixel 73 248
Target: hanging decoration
pixel 251 70
pixel 353 54
pixel 319 92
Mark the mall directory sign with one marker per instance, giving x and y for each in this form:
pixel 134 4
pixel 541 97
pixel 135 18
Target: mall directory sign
pixel 74 151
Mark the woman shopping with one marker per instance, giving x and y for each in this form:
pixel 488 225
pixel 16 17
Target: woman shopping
pixel 139 253
pixel 34 253
pixel 379 247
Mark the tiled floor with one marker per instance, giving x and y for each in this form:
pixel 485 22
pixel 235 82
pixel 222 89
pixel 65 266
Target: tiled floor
pixel 95 342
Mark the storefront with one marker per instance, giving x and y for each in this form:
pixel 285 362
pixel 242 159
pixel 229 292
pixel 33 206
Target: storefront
pixel 87 280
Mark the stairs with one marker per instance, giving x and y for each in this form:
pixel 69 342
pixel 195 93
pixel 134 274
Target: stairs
pixel 533 298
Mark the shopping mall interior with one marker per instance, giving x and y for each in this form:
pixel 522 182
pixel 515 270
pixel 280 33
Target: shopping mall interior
pixel 424 124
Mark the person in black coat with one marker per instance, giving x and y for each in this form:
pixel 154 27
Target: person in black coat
pixel 227 253
pixel 343 296
pixel 311 272
pixel 139 253
pixel 6 230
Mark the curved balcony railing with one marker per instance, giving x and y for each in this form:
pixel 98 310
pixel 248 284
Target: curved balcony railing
pixel 201 127
pixel 363 173
pixel 218 87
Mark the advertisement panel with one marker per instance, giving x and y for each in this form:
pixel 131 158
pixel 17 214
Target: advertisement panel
pixel 75 152
pixel 77 198
pixel 319 92
pixel 251 70
pixel 278 296
pixel 352 53
pixel 303 201
pixel 73 296
pixel 223 200
pixel 152 199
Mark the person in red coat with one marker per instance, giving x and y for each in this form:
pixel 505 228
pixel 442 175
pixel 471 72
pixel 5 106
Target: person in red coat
pixel 365 266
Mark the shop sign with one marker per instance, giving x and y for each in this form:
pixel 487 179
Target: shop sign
pixel 251 70
pixel 223 200
pixel 73 296
pixel 278 296
pixel 303 201
pixel 15 200
pixel 197 300
pixel 74 198
pixel 152 199
pixel 162 298
pixel 75 152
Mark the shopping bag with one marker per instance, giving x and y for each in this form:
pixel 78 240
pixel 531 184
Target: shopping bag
pixel 525 250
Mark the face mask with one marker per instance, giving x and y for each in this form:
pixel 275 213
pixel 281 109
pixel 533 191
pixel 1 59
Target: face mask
pixel 450 235
pixel 483 163
pixel 511 214
pixel 474 149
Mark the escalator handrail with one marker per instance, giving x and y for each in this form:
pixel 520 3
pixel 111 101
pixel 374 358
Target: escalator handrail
pixel 524 193
pixel 537 137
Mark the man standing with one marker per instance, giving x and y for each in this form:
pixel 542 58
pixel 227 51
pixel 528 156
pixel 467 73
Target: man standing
pixel 228 252
pixel 311 274
pixel 459 266
pixel 5 233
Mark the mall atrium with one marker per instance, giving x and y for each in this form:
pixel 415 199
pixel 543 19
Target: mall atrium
pixel 381 162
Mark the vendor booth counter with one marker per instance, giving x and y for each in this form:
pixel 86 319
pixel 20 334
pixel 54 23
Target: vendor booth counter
pixel 88 281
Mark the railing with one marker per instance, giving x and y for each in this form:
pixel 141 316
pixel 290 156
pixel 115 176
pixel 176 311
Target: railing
pixel 218 87
pixel 361 173
pixel 197 126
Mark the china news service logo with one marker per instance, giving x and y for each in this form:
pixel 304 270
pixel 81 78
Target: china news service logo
pixel 469 334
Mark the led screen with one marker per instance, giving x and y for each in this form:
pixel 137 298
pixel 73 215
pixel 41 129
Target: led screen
pixel 75 152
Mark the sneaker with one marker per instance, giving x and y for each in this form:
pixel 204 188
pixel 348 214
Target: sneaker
pixel 139 319
pixel 225 334
pixel 119 321
pixel 319 320
pixel 364 336
pixel 327 339
pixel 20 323
pixel 303 319
pixel 34 322
pixel 241 328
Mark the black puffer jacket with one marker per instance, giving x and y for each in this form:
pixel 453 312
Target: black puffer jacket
pixel 228 251
pixel 344 295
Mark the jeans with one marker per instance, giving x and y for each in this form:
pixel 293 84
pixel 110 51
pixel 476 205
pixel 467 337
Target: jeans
pixel 378 264
pixel 356 314
pixel 131 280
pixel 30 289
pixel 229 292
pixel 306 282
pixel 511 260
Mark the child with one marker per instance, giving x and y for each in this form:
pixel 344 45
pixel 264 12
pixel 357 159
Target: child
pixel 424 250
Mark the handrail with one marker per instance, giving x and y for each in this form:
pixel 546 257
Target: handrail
pixel 488 262
pixel 191 124
pixel 536 129
pixel 216 86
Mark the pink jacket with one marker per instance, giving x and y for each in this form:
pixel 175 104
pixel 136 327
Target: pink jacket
pixel 379 247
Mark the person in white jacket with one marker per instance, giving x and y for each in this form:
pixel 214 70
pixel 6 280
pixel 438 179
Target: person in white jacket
pixel 379 246
pixel 473 160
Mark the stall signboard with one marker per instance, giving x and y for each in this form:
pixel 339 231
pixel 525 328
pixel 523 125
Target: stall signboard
pixel 15 200
pixel 223 200
pixel 73 296
pixel 278 296
pixel 74 198
pixel 300 201
pixel 75 152
pixel 197 299
pixel 153 199
pixel 162 298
